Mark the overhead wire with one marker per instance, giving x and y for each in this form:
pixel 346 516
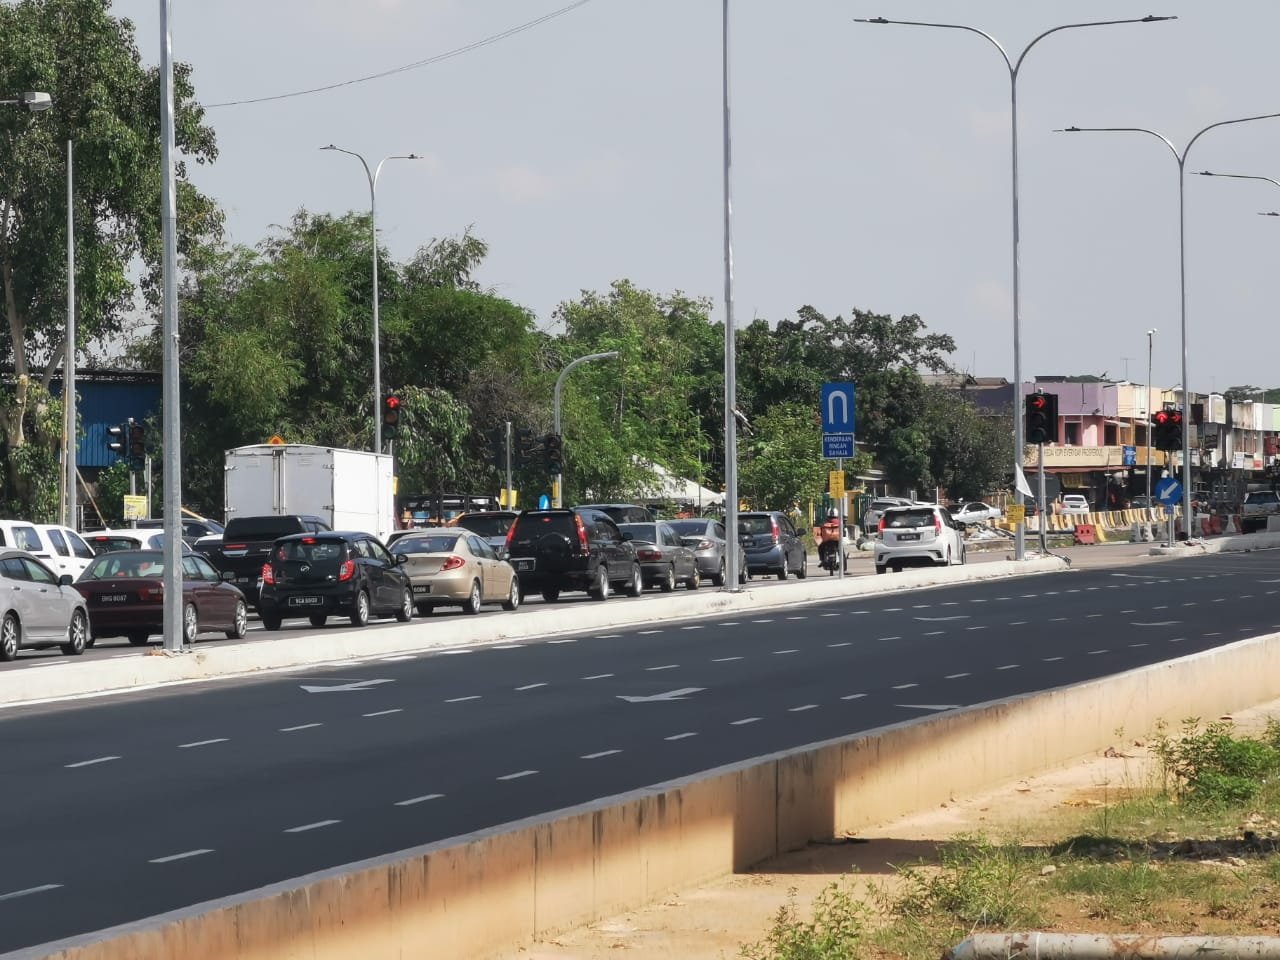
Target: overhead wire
pixel 417 64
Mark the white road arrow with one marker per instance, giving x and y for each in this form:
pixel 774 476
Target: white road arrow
pixel 357 685
pixel 669 695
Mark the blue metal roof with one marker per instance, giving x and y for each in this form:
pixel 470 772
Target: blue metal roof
pixel 103 404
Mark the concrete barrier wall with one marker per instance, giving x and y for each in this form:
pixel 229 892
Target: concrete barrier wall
pixel 475 896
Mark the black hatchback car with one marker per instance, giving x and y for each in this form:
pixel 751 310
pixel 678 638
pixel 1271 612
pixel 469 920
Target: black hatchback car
pixel 315 575
pixel 572 549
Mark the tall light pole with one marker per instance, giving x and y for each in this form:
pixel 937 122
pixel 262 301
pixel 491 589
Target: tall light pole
pixel 1150 340
pixel 558 496
pixel 1181 159
pixel 1014 68
pixel 372 176
pixel 730 348
pixel 69 360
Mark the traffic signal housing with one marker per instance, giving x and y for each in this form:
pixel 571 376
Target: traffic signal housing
pixel 390 417
pixel 553 448
pixel 526 445
pixel 1166 430
pixel 1042 417
pixel 118 439
pixel 497 444
pixel 137 445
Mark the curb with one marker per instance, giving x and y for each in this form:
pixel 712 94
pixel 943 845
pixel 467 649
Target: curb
pixel 211 660
pixel 1241 543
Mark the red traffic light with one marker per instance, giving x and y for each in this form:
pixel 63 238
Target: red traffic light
pixel 1038 401
pixel 1161 417
pixel 392 402
pixel 1176 416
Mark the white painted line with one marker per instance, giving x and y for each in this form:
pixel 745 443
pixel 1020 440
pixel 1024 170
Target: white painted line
pixel 831 614
pixel 56 663
pixel 448 653
pixel 696 626
pixel 1009 666
pixel 1019 623
pixel 955 676
pixel 643 633
pixel 201 743
pixel 665 666
pixel 855 613
pixel 1128 611
pixel 976 628
pixel 383 713
pixel 891 610
pixel 978 601
pixel 399 657
pixel 312 826
pixel 729 623
pixel 807 706
pixel 1246 596
pixel 89 763
pixel 180 856
pixel 934 633
pixel 1051 659
pixel 739 723
pixel 1094 653
pixel 517 776
pixel 854 696
pixel 1093 616
pixel 597 756
pixel 463 699
pixel 680 736
pixel 607 636
pixel 598 676
pixel 301 726
pixel 1132 645
pixel 30 890
pixel 565 640
pixel 797 618
pixel 762 621
pixel 921 606
pixel 906 686
pixel 843 643
pixel 423 799
pixel 531 686
pixel 725 659
pixel 1073 591
pixel 889 638
pixel 779 653
pixel 951 603
pixel 1026 596
pixel 508 646
pixel 1162 607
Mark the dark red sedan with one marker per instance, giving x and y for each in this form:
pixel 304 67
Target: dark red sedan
pixel 124 592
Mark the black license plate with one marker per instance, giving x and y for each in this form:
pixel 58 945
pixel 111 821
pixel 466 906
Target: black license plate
pixel 422 588
pixel 305 601
pixel 908 536
pixel 113 598
pixel 523 563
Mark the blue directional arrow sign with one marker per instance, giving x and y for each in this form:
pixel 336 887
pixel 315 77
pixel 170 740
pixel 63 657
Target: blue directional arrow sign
pixel 1168 491
pixel 837 408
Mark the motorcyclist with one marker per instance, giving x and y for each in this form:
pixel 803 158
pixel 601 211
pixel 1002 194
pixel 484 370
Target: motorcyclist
pixel 830 537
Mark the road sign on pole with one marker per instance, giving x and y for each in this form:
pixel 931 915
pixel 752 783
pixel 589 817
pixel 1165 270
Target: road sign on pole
pixel 838 408
pixel 837 446
pixel 1168 491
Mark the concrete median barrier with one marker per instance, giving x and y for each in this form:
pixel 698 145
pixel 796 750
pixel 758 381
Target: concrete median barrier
pixel 495 891
pixel 212 659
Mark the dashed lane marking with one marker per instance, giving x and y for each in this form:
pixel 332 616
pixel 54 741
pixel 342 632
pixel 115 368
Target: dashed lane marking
pixel 779 653
pixel 906 686
pixel 1136 645
pixel 831 614
pixel 743 722
pixel 725 659
pixel 891 610
pixel 312 826
pixel 889 638
pixel 43 888
pixel 1018 623
pixel 680 736
pixel 383 713
pixel 1094 653
pixel 728 623
pixel 187 855
pixel 89 763
pixel 474 696
pixel 530 686
pixel 201 743
pixel 423 799
pixel 644 633
pixel 762 621
pixel 853 696
pixel 696 626
pixel 301 726
pixel 1009 666
pixel 981 627
pixel 1051 659
pixel 843 643
pixel 518 775
pixel 807 706
pixel 797 618
pixel 598 676
pixel 597 756
pixel 665 666
pixel 934 633
pixel 608 636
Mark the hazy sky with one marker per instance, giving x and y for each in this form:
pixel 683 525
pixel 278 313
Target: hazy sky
pixel 871 163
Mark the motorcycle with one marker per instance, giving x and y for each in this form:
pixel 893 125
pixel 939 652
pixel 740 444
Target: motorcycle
pixel 830 556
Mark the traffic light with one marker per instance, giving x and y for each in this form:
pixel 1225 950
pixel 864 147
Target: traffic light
pixel 118 439
pixel 1166 430
pixel 1042 417
pixel 137 445
pixel 497 443
pixel 526 445
pixel 390 416
pixel 553 448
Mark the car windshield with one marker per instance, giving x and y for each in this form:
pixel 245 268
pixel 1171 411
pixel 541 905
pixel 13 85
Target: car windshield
pixel 126 563
pixel 908 519
pixel 648 532
pixel 757 524
pixel 441 543
pixel 486 526
pixel 1261 496
pixel 689 528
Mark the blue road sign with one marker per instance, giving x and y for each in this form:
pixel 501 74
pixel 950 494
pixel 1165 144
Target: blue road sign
pixel 836 446
pixel 837 409
pixel 1168 491
pixel 544 502
pixel 1130 456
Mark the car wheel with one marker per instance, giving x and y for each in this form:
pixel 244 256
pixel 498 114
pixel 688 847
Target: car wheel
pixel 269 622
pixel 190 624
pixel 668 582
pixel 719 578
pixel 882 569
pixel 77 635
pixel 695 581
pixel 472 606
pixel 424 609
pixel 600 589
pixel 405 613
pixel 636 587
pixel 360 613
pixel 743 575
pixel 239 622
pixel 513 596
pixel 318 619
pixel 782 571
pixel 550 594
pixel 897 568
pixel 804 566
pixel 139 639
pixel 10 637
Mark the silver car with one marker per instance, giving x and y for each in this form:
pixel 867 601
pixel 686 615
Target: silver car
pixel 38 608
pixel 706 538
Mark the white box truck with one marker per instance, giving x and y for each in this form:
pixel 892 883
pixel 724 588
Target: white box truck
pixel 348 489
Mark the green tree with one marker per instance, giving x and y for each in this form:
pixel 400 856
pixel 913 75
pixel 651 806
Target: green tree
pixel 969 450
pixel 782 459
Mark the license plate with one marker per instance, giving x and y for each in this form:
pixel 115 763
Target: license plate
pixel 305 601
pixel 908 536
pixel 523 563
pixel 244 579
pixel 422 588
pixel 113 598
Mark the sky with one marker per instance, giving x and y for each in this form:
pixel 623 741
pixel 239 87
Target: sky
pixel 871 163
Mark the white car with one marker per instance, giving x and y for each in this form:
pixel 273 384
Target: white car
pixel 921 535
pixel 967 514
pixel 60 548
pixel 38 608
pixel 1074 505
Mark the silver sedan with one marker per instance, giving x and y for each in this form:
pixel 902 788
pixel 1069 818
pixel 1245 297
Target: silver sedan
pixel 38 608
pixel 705 537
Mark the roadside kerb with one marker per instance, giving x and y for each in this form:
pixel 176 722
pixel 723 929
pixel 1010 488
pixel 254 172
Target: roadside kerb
pixel 1240 543
pixel 211 659
pixel 496 890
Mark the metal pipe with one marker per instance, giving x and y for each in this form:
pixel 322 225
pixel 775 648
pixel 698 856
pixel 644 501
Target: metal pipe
pixel 69 362
pixel 1147 406
pixel 558 496
pixel 730 355
pixel 1104 946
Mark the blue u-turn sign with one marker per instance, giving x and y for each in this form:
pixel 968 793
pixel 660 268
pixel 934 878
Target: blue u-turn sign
pixel 837 408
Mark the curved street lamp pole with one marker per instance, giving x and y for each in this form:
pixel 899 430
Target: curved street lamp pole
pixel 558 497
pixel 372 176
pixel 1181 159
pixel 1014 67
pixel 1150 342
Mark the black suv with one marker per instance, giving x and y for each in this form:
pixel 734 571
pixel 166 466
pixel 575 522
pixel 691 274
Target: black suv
pixel 575 548
pixel 314 575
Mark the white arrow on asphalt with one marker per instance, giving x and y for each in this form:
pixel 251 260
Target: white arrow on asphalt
pixel 1158 623
pixel 962 616
pixel 357 685
pixel 669 695
pixel 928 706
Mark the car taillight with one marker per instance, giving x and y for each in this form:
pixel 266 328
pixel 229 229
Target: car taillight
pixel 152 593
pixel 347 570
pixel 937 526
pixel 648 553
pixel 704 545
pixel 583 547
pixel 880 529
pixel 268 575
pixel 234 546
pixel 773 529
pixel 452 563
pixel 511 533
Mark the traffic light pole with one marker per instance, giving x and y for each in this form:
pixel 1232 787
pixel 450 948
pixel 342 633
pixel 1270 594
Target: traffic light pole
pixel 511 504
pixel 1044 536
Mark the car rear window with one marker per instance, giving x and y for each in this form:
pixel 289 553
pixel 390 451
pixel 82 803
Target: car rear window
pixel 532 526
pixel 757 524
pixel 907 519
pixel 490 526
pixel 641 531
pixel 312 550
pixel 126 563
pixel 261 528
pixel 689 528
pixel 434 544
pixel 103 544
pixel 1261 496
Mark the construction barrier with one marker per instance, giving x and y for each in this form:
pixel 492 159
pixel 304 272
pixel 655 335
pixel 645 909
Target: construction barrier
pixel 1086 533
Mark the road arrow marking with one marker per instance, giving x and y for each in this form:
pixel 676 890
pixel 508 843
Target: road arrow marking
pixel 669 695
pixel 929 706
pixel 357 685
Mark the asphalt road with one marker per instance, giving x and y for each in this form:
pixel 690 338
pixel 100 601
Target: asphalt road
pixel 125 807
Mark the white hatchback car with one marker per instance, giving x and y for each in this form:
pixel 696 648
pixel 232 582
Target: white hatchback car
pixel 921 535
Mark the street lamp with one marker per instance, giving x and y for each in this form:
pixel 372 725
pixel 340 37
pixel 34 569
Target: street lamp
pixel 1181 159
pixel 34 101
pixel 373 226
pixel 1014 66
pixel 557 496
pixel 1150 335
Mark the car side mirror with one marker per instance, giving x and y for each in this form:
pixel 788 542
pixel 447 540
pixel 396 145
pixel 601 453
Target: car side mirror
pixel 742 529
pixel 402 558
pixel 66 580
pixel 628 536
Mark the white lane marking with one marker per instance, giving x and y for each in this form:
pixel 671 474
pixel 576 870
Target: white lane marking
pixel 825 615
pixel 474 696
pixel 1128 611
pixel 778 653
pixel 696 626
pixel 891 610
pixel 608 636
pixel 301 726
pixel 89 763
pixel 597 756
pixel 51 663
pixel 531 686
pixel 680 736
pixel 1093 616
pixel 797 618
pixel 1157 623
pixel 854 696
pixel 807 706
pixel 725 659
pixel 517 776
pixel 1161 607
pixel 1051 659
pixel 1026 596
pixel 346 687
pixel 565 640
pixel 1220 600
pixel 181 856
pixel 1018 623
pixel 728 623
pixel 854 613
pixel 1009 666
pixel 665 666
pixel 906 686
pixel 843 643
pixel 669 695
pixel 928 706
pixel 1087 589
pixel 643 633
pixel 30 890
pixel 508 646
pixel 983 627
pixel 951 603
pixel 398 658
pixel 762 621
pixel 959 616
pixel 312 826
pixel 448 653
pixel 598 676
pixel 1094 653
pixel 1073 591
pixel 934 633
pixel 1246 596
pixel 1133 645
pixel 383 713
pixel 201 743
pixel 921 606
pixel 1051 593
pixel 423 799
pixel 889 638
pixel 1057 619
pixel 978 601
pixel 739 723
pixel 955 676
